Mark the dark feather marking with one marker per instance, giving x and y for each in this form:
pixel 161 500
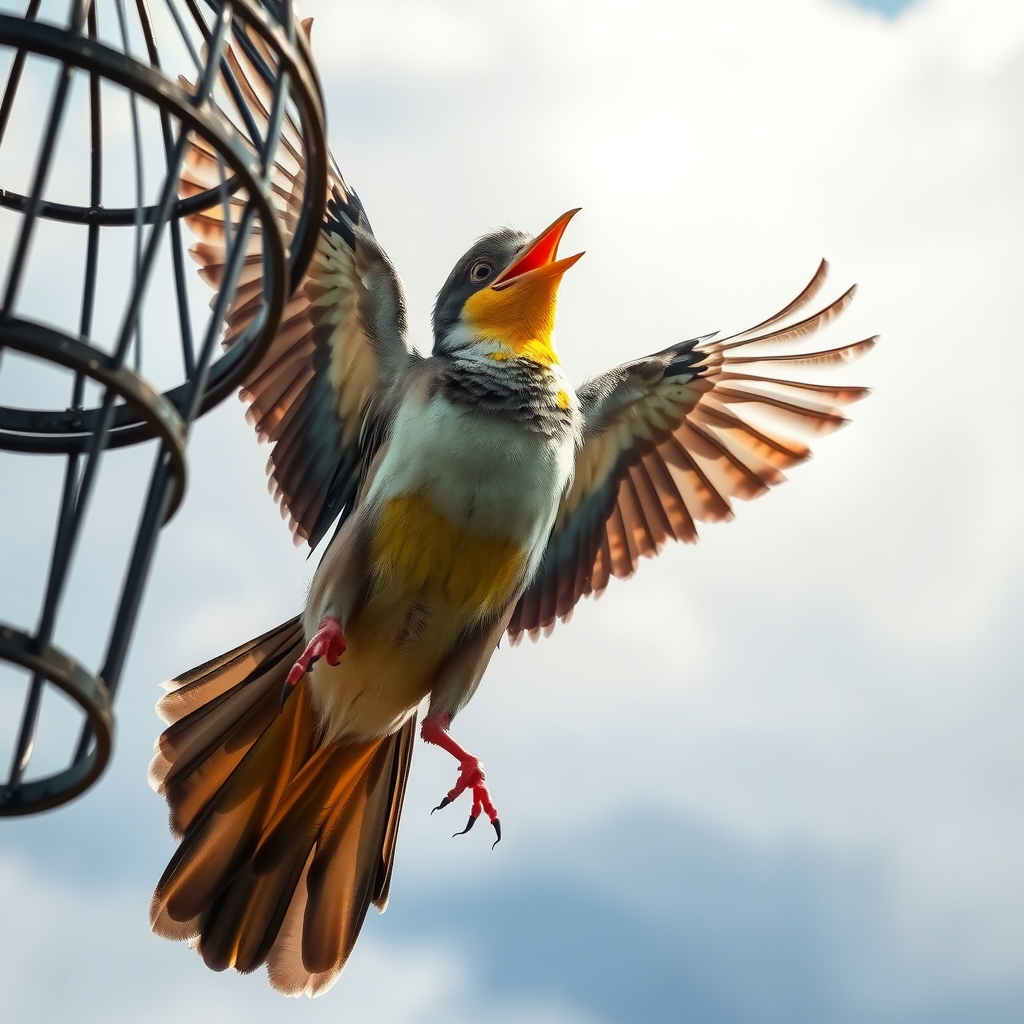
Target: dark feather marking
pixel 658 524
pixel 721 505
pixel 753 478
pixel 655 465
pixel 728 420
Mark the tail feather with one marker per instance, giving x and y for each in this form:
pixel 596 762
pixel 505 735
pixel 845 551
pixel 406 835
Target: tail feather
pixel 285 968
pixel 338 897
pixel 217 712
pixel 196 688
pixel 396 787
pixel 286 842
pixel 328 779
pixel 225 834
pixel 242 923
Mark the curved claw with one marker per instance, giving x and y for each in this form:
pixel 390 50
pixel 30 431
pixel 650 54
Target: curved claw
pixel 471 774
pixel 286 691
pixel 328 642
pixel 469 825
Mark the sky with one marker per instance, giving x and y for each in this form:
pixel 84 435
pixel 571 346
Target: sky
pixel 777 776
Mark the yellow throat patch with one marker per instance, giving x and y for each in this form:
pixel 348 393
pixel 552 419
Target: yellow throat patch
pixel 422 550
pixel 521 317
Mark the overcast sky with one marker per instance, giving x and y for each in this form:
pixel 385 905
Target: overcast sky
pixel 776 776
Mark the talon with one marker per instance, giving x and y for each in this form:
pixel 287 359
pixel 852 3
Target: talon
pixel 286 690
pixel 471 775
pixel 469 825
pixel 328 642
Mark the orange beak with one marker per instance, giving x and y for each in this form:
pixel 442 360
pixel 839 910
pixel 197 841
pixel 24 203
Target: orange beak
pixel 538 262
pixel 518 309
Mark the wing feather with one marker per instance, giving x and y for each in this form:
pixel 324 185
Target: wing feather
pixel 603 565
pixel 799 330
pixel 810 290
pixel 671 501
pixel 675 438
pixel 341 352
pixel 622 559
pixel 828 357
pixel 701 494
pixel 655 515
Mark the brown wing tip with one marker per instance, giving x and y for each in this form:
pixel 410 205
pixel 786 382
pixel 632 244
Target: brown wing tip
pixel 159 766
pixel 287 984
pixel 164 704
pixel 162 924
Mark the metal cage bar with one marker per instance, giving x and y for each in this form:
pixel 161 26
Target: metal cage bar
pixel 130 410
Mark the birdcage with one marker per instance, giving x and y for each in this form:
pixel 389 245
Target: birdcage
pixel 109 349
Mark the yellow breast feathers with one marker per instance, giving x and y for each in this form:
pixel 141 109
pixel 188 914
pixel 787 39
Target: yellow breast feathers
pixel 423 551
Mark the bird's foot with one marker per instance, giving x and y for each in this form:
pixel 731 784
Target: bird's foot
pixel 471 775
pixel 328 642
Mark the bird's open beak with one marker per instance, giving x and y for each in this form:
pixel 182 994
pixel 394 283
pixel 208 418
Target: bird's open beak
pixel 538 263
pixel 518 309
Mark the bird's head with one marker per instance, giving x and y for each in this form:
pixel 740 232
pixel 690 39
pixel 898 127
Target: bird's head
pixel 500 300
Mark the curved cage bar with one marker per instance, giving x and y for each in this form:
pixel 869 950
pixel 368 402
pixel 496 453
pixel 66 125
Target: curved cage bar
pixel 125 127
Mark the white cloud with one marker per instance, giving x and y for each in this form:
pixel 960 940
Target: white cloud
pixel 68 952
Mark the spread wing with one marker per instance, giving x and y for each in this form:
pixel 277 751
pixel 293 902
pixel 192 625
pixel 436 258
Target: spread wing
pixel 339 362
pixel 670 440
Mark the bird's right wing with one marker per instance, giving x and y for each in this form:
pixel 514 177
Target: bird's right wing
pixel 341 356
pixel 672 439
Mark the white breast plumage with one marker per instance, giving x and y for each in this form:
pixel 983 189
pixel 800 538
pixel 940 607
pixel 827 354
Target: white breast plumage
pixel 485 474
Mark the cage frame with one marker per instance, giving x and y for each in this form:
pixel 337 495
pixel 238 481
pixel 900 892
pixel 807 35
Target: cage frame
pixel 132 410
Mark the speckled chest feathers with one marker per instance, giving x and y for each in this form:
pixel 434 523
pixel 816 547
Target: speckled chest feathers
pixel 533 396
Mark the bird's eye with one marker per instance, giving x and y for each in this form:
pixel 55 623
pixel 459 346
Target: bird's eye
pixel 481 270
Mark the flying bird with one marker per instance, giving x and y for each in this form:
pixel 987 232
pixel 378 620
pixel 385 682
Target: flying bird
pixel 473 493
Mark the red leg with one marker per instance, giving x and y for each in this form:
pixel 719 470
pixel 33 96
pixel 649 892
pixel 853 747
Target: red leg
pixel 328 642
pixel 471 774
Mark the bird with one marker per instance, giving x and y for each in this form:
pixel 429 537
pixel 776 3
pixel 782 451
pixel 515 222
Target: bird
pixel 473 493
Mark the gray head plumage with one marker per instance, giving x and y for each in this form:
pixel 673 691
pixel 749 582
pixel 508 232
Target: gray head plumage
pixel 480 265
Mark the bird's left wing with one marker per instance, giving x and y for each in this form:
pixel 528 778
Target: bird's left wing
pixel 338 364
pixel 671 439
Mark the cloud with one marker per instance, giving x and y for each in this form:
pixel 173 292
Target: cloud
pixel 86 952
pixel 647 916
pixel 654 917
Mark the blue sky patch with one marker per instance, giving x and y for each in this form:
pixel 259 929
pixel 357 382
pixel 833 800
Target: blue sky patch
pixel 888 8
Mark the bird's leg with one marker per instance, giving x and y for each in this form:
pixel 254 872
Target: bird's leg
pixel 471 773
pixel 328 642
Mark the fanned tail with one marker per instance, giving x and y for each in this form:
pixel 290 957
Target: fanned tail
pixel 285 842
